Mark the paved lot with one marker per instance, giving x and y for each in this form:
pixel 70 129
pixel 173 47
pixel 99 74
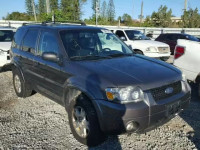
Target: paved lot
pixel 38 123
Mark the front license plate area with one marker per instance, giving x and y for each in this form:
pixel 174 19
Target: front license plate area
pixel 173 109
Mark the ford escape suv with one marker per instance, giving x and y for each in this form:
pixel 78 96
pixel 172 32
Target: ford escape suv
pixel 105 87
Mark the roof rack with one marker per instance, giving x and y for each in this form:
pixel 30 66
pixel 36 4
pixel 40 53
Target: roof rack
pixel 36 23
pixel 65 22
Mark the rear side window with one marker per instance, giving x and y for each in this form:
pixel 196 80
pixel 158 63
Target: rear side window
pixel 6 35
pixel 18 38
pixel 48 43
pixel 173 37
pixel 30 40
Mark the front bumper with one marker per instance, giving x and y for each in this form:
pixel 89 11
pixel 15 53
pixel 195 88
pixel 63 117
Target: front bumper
pixel 157 55
pixel 4 59
pixel 114 118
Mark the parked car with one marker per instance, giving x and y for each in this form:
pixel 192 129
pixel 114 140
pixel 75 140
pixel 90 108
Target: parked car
pixel 143 45
pixel 187 58
pixel 6 36
pixel 171 39
pixel 105 87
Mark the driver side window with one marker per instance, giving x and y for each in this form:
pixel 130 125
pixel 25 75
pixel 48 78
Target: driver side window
pixel 48 43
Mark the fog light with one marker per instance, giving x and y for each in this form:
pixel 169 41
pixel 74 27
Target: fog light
pixel 132 126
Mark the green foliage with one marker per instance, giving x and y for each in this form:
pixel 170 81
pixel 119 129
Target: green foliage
pixel 162 18
pixel 127 20
pixel 54 5
pixel 191 19
pixel 111 11
pixel 104 11
pixel 41 7
pixel 29 8
pixel 18 16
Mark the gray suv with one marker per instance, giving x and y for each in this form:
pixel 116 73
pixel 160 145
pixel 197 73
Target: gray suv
pixel 105 87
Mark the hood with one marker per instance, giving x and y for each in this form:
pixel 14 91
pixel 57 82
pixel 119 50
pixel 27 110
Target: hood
pixel 5 45
pixel 149 43
pixel 130 71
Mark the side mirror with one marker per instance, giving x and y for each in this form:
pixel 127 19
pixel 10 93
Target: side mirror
pixel 51 56
pixel 123 38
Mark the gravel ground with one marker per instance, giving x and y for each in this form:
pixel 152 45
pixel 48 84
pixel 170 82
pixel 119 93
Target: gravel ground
pixel 39 123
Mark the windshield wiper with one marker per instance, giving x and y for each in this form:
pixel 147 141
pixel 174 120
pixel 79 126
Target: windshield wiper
pixel 89 57
pixel 120 55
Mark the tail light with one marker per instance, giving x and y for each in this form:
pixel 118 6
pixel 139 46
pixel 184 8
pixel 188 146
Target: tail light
pixel 179 51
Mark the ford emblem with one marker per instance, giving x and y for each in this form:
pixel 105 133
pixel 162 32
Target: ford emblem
pixel 169 90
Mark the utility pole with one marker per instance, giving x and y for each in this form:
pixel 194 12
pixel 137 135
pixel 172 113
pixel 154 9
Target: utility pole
pixel 133 9
pixel 33 6
pixel 185 8
pixel 141 15
pixel 97 11
pixel 48 6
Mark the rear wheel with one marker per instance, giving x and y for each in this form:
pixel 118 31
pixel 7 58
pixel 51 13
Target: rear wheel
pixel 84 122
pixel 22 89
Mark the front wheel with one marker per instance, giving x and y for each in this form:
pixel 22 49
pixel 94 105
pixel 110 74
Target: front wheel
pixel 84 123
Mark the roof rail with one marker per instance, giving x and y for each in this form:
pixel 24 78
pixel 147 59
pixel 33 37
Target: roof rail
pixel 65 22
pixel 36 23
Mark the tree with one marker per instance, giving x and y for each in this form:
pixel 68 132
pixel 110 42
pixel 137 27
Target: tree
pixel 191 19
pixel 53 5
pixel 67 9
pixel 41 7
pixel 104 10
pixel 162 18
pixel 127 20
pixel 29 8
pixel 111 11
pixel 18 16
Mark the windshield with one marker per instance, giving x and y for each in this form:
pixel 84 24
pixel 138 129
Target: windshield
pixel 136 35
pixel 6 35
pixel 192 38
pixel 93 44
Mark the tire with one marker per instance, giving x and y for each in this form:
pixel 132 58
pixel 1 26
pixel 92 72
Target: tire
pixel 94 135
pixel 139 52
pixel 22 89
pixel 164 58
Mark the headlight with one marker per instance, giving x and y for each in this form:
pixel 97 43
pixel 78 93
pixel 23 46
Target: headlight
pixel 184 77
pixel 125 95
pixel 151 49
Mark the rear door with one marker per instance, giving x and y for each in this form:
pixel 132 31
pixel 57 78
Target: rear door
pixel 27 55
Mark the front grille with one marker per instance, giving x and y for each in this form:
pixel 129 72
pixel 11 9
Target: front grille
pixel 160 93
pixel 163 49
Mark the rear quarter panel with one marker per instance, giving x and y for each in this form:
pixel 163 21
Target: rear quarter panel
pixel 189 63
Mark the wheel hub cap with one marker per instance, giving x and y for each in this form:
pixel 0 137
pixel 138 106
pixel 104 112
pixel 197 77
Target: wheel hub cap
pixel 80 122
pixel 17 84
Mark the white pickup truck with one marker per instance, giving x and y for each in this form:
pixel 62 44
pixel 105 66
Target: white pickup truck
pixel 142 44
pixel 187 59
pixel 6 36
